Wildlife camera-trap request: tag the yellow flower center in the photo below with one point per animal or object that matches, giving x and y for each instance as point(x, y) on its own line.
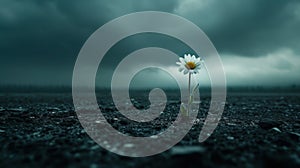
point(190, 65)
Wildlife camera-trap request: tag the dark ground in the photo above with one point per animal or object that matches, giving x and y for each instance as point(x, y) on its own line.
point(258, 130)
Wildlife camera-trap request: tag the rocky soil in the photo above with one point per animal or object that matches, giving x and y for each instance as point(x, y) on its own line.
point(42, 130)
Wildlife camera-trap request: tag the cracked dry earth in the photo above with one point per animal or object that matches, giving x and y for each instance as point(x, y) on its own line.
point(258, 130)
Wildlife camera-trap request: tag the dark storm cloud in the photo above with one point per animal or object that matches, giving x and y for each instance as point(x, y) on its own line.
point(40, 35)
point(40, 40)
point(248, 28)
point(58, 28)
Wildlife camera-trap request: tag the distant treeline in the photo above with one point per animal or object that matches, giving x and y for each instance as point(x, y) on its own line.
point(68, 89)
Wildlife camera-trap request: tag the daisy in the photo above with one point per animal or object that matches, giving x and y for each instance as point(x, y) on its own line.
point(189, 64)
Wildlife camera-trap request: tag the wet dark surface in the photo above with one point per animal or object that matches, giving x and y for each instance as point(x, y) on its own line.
point(42, 130)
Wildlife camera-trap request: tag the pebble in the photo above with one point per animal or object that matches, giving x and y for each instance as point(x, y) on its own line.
point(197, 121)
point(184, 150)
point(98, 122)
point(231, 124)
point(154, 136)
point(276, 129)
point(52, 108)
point(95, 147)
point(36, 133)
point(230, 138)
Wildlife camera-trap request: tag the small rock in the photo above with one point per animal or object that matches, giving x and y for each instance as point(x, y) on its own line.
point(95, 147)
point(52, 109)
point(1, 131)
point(230, 138)
point(184, 150)
point(231, 124)
point(36, 134)
point(276, 129)
point(98, 122)
point(154, 136)
point(197, 121)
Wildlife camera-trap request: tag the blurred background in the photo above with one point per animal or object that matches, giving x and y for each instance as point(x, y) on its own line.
point(258, 41)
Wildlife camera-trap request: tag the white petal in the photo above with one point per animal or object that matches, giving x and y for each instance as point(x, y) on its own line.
point(181, 59)
point(185, 71)
point(181, 69)
point(188, 58)
point(178, 63)
point(192, 59)
point(193, 56)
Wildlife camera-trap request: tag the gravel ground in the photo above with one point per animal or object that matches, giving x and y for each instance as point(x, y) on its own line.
point(42, 130)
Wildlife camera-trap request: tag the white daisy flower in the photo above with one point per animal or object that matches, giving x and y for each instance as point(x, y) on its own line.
point(189, 64)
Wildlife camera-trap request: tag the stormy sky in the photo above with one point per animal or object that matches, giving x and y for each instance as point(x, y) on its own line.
point(258, 40)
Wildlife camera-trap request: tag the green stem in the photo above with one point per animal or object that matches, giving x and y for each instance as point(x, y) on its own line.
point(189, 101)
point(190, 84)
